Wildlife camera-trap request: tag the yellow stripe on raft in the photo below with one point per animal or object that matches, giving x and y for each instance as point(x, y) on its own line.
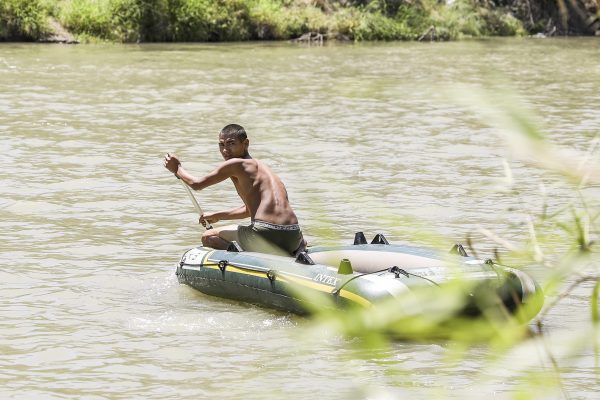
point(356, 298)
point(205, 258)
point(232, 268)
point(328, 289)
point(306, 282)
point(301, 281)
point(238, 270)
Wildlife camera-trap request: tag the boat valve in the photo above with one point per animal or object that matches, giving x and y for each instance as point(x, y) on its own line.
point(222, 265)
point(345, 267)
point(272, 275)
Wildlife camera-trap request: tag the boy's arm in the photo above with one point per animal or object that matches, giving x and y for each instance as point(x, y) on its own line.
point(235, 213)
point(223, 171)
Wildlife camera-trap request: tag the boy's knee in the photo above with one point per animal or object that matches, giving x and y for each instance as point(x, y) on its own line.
point(207, 238)
point(212, 239)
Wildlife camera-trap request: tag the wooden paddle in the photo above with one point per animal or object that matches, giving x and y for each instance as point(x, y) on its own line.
point(195, 202)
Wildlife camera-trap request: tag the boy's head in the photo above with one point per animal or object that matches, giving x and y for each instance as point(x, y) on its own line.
point(233, 142)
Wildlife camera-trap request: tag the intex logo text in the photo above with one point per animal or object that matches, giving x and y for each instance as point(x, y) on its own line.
point(326, 279)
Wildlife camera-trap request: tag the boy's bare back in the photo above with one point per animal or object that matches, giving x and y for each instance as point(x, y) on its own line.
point(263, 192)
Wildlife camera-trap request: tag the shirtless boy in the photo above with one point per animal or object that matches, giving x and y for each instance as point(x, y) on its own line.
point(274, 227)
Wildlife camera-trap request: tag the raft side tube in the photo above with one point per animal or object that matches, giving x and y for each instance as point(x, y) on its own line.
point(368, 260)
point(519, 291)
point(279, 282)
point(283, 283)
point(371, 258)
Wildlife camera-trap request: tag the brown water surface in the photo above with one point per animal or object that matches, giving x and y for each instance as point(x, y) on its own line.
point(364, 136)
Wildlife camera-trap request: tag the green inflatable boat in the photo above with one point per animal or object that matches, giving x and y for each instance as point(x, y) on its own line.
point(362, 274)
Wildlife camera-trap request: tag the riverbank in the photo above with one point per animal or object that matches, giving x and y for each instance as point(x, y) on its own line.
point(238, 20)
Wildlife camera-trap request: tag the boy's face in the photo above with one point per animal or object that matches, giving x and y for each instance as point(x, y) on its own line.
point(230, 147)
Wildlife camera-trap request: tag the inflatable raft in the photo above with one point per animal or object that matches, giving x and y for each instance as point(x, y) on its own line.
point(362, 274)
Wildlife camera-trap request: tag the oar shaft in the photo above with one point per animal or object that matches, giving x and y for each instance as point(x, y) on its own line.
point(194, 202)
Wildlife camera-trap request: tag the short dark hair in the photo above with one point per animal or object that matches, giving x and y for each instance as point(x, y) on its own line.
point(235, 130)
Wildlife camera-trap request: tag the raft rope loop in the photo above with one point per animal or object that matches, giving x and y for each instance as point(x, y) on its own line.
point(422, 277)
point(393, 270)
point(223, 264)
point(181, 263)
point(494, 266)
point(179, 270)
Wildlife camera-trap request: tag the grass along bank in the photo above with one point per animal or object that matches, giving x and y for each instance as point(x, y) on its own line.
point(238, 20)
point(23, 20)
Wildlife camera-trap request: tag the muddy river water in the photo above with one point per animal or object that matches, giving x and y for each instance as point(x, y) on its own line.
point(366, 137)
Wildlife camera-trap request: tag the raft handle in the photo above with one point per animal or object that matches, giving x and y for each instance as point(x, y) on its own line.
point(222, 265)
point(379, 239)
point(397, 271)
point(272, 275)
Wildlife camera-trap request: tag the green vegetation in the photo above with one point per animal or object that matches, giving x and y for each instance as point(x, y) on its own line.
point(560, 246)
point(23, 19)
point(235, 20)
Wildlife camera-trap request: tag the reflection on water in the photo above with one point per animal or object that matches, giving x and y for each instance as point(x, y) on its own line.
point(364, 138)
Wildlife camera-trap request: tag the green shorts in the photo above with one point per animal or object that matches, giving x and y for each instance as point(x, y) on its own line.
point(265, 237)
